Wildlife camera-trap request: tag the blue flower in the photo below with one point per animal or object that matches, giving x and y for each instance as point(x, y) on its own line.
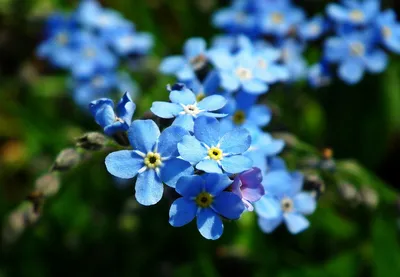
point(284, 201)
point(354, 12)
point(292, 58)
point(184, 67)
point(389, 30)
point(58, 48)
point(91, 54)
point(313, 29)
point(279, 18)
point(355, 53)
point(103, 112)
point(239, 71)
point(184, 107)
point(154, 160)
point(204, 197)
point(214, 151)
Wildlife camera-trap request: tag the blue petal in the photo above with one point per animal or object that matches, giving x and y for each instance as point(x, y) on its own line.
point(216, 183)
point(168, 141)
point(194, 47)
point(268, 207)
point(278, 182)
point(209, 224)
point(149, 188)
point(191, 149)
point(172, 64)
point(236, 164)
point(351, 72)
point(186, 73)
point(212, 103)
point(126, 108)
point(336, 12)
point(184, 96)
point(377, 61)
point(207, 130)
point(105, 116)
point(221, 59)
point(211, 83)
point(228, 205)
point(173, 169)
point(184, 121)
point(143, 135)
point(269, 225)
point(116, 127)
point(165, 109)
point(182, 211)
point(304, 203)
point(236, 141)
point(190, 186)
point(260, 115)
point(124, 164)
point(255, 86)
point(229, 82)
point(209, 166)
point(295, 222)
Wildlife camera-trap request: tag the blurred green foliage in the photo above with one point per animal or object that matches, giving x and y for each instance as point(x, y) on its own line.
point(93, 226)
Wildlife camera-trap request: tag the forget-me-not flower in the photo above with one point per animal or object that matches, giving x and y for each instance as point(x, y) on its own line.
point(354, 12)
point(205, 197)
point(113, 122)
point(154, 159)
point(214, 151)
point(284, 202)
point(389, 30)
point(185, 108)
point(247, 185)
point(184, 67)
point(313, 28)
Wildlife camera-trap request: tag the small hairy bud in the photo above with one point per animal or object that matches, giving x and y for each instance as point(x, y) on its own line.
point(48, 184)
point(67, 159)
point(91, 141)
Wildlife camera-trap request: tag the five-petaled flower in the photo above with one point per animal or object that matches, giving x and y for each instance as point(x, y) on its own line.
point(185, 108)
point(154, 159)
point(204, 196)
point(213, 151)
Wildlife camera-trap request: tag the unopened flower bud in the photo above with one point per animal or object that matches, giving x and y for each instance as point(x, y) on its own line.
point(369, 197)
point(66, 159)
point(91, 141)
point(48, 184)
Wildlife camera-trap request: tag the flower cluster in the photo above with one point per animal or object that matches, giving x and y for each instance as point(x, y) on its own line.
point(357, 33)
point(89, 43)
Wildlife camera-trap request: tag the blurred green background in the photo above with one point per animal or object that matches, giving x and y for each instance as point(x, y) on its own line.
point(92, 225)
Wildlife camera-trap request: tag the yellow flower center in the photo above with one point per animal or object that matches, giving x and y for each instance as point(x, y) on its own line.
point(356, 15)
point(204, 199)
point(386, 31)
point(287, 205)
point(357, 49)
point(277, 18)
point(244, 73)
point(215, 153)
point(152, 160)
point(200, 96)
point(62, 38)
point(239, 117)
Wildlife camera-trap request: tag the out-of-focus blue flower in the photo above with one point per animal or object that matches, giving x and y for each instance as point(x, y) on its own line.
point(355, 53)
point(204, 197)
point(279, 19)
point(91, 54)
point(236, 19)
point(354, 12)
point(240, 71)
point(113, 122)
point(319, 75)
point(185, 108)
point(247, 185)
point(389, 30)
point(60, 41)
point(195, 57)
point(154, 160)
point(284, 201)
point(313, 28)
point(292, 58)
point(214, 151)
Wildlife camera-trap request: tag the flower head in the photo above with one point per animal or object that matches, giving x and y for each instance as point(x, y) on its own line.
point(113, 122)
point(354, 12)
point(185, 107)
point(204, 197)
point(214, 151)
point(154, 159)
point(389, 30)
point(284, 202)
point(247, 185)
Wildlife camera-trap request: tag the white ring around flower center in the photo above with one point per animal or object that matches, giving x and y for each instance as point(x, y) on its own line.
point(191, 109)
